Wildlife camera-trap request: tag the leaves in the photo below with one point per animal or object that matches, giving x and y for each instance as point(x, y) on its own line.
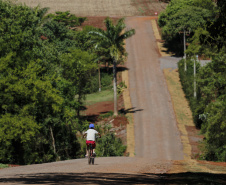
point(180, 16)
point(209, 107)
point(37, 88)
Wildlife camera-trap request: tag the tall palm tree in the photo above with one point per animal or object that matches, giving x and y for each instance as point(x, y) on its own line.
point(113, 39)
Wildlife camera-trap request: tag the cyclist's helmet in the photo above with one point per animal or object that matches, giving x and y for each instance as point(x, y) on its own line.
point(91, 125)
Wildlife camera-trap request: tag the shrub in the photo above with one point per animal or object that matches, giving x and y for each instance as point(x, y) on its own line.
point(187, 81)
point(109, 145)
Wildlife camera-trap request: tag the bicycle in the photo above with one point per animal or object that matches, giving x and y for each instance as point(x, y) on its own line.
point(91, 156)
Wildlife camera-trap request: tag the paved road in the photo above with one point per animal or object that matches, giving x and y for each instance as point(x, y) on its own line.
point(156, 132)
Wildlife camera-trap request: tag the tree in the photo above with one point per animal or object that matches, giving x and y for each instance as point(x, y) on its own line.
point(77, 68)
point(113, 39)
point(37, 95)
point(216, 34)
point(66, 18)
point(184, 17)
point(210, 39)
point(211, 107)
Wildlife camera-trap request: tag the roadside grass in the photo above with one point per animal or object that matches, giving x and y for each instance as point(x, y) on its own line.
point(104, 95)
point(214, 167)
point(106, 115)
point(184, 118)
point(180, 103)
point(3, 165)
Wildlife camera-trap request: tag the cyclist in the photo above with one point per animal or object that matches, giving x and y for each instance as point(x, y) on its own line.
point(90, 137)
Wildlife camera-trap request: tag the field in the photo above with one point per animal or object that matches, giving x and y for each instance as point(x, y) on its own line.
point(111, 8)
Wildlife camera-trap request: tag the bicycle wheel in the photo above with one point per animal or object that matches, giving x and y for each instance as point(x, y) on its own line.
point(89, 156)
point(92, 161)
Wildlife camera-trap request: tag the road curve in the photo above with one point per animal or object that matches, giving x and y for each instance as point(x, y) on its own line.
point(156, 132)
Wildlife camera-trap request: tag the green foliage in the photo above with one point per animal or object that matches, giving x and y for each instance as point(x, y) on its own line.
point(3, 165)
point(179, 11)
point(209, 107)
point(41, 74)
point(18, 27)
point(106, 81)
point(215, 39)
point(121, 87)
point(215, 129)
point(113, 39)
point(66, 18)
point(187, 81)
point(84, 40)
point(78, 66)
point(183, 15)
point(106, 115)
point(109, 145)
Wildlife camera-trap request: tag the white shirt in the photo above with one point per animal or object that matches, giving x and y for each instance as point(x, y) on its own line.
point(91, 133)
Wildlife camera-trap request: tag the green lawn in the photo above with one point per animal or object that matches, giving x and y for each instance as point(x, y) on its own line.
point(106, 95)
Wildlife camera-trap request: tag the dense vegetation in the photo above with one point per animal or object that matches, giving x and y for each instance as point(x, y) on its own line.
point(208, 40)
point(46, 69)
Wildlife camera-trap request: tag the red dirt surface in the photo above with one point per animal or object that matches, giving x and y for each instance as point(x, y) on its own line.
point(98, 22)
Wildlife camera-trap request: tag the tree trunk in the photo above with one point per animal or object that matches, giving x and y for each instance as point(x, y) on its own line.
point(79, 102)
point(99, 76)
point(53, 140)
point(115, 87)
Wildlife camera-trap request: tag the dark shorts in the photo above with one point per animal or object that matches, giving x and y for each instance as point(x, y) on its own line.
point(91, 142)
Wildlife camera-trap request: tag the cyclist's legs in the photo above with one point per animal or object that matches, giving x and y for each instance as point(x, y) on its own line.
point(93, 146)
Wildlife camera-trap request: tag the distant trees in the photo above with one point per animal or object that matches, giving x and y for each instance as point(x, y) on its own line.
point(180, 16)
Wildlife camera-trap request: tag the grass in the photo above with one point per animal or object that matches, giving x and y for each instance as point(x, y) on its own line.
point(106, 115)
point(141, 10)
point(3, 165)
point(105, 95)
point(181, 106)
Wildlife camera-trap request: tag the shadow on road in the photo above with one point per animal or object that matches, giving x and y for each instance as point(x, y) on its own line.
point(130, 110)
point(116, 178)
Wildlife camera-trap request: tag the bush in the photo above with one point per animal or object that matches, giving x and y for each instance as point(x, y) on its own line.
point(187, 81)
point(109, 145)
point(3, 165)
point(210, 106)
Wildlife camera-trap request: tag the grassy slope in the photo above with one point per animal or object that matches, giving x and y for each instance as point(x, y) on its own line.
point(106, 95)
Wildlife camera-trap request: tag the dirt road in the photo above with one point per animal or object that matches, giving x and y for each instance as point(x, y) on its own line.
point(156, 132)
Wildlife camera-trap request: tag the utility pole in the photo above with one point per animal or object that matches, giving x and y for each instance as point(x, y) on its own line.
point(195, 76)
point(185, 64)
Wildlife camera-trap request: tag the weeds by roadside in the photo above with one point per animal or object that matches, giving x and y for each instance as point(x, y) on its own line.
point(3, 165)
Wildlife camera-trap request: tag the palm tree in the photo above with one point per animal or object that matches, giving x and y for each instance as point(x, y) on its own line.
point(113, 40)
